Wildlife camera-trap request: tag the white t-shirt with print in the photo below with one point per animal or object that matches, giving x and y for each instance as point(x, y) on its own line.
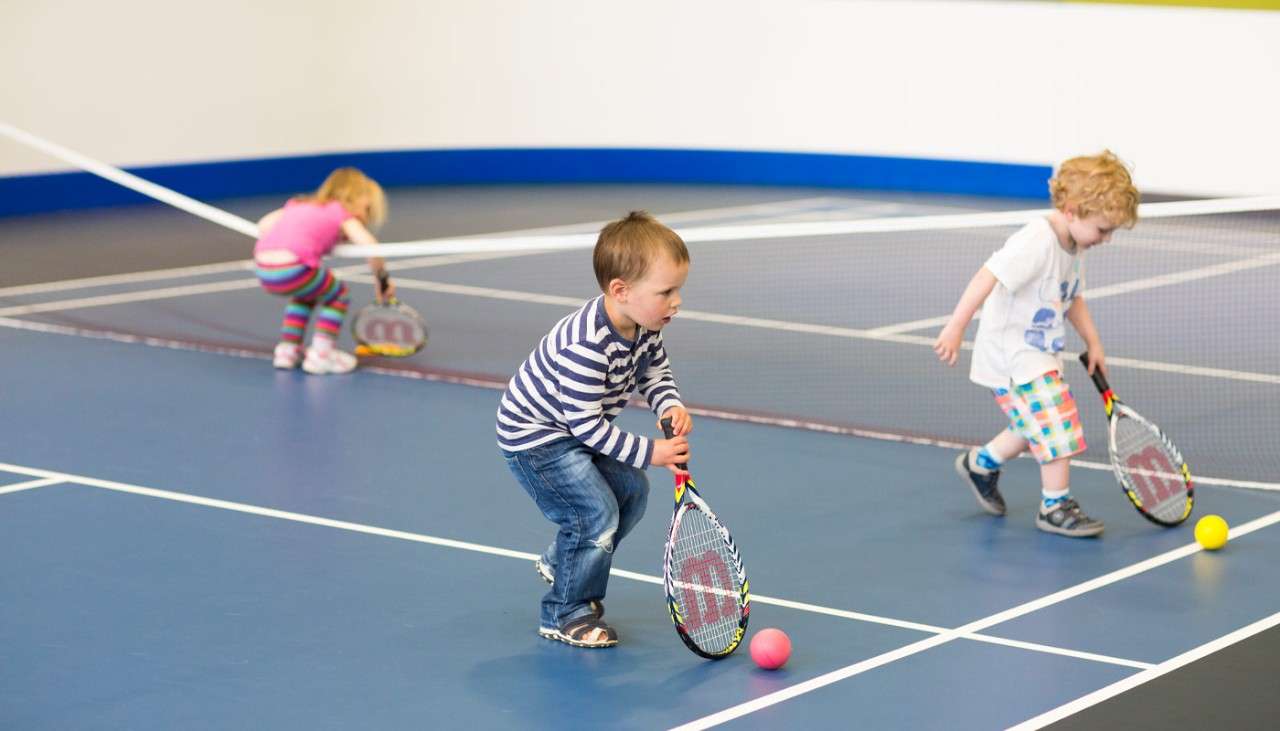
point(1022, 329)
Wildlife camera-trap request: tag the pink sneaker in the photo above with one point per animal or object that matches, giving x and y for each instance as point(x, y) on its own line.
point(329, 362)
point(287, 356)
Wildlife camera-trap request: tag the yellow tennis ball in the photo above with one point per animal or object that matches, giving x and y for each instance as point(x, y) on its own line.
point(1211, 532)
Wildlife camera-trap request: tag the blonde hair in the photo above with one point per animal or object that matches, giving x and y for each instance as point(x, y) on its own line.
point(627, 247)
point(347, 186)
point(1096, 184)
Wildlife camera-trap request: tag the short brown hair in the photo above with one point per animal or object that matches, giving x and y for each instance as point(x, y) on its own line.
point(1096, 184)
point(627, 247)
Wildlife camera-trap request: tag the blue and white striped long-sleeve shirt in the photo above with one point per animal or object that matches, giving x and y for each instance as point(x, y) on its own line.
point(577, 381)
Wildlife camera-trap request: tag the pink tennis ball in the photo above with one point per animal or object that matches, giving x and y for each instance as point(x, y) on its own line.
point(770, 648)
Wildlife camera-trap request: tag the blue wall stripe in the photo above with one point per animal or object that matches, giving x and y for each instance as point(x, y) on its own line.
point(283, 175)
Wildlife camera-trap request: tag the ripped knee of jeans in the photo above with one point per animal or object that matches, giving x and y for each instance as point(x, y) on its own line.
point(605, 541)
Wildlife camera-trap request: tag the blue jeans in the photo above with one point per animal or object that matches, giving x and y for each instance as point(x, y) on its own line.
point(596, 501)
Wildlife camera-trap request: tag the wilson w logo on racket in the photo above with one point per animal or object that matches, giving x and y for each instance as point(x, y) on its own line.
point(388, 328)
point(380, 327)
point(1148, 467)
point(708, 597)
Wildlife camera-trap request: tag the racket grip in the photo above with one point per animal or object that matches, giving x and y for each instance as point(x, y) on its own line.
point(383, 280)
point(670, 432)
point(1099, 380)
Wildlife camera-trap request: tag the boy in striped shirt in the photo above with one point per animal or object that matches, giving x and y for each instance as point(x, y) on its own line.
point(555, 421)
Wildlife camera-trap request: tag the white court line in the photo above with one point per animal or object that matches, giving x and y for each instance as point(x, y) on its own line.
point(1137, 285)
point(129, 278)
point(806, 328)
point(806, 229)
point(697, 315)
point(51, 477)
point(883, 436)
point(717, 233)
point(907, 625)
point(248, 228)
point(539, 243)
point(849, 671)
point(225, 286)
point(921, 324)
point(790, 205)
point(500, 384)
point(30, 485)
point(394, 265)
point(1146, 676)
point(125, 297)
point(1196, 480)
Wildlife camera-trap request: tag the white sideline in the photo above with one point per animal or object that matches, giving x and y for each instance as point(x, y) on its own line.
point(30, 485)
point(355, 273)
point(807, 328)
point(50, 477)
point(807, 229)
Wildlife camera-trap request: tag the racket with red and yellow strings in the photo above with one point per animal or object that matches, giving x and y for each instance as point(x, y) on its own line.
point(1148, 467)
point(706, 584)
point(388, 327)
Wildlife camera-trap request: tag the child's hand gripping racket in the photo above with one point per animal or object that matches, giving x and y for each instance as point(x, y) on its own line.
point(388, 327)
point(1149, 468)
point(707, 591)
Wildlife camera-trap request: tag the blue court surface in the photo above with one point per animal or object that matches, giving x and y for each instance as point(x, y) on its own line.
point(192, 539)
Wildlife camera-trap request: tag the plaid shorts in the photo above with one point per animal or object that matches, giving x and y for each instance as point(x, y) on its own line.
point(1044, 413)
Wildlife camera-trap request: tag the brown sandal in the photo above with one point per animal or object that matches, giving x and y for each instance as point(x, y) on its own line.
point(585, 631)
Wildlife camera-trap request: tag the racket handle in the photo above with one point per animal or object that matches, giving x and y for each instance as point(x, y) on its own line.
point(670, 432)
point(383, 280)
point(1099, 380)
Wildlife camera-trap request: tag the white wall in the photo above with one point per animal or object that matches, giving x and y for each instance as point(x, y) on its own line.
point(146, 81)
point(1187, 95)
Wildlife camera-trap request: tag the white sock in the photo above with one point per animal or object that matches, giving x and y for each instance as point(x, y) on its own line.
point(1049, 499)
point(321, 344)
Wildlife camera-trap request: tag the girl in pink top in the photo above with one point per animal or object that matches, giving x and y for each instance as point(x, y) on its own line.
point(293, 240)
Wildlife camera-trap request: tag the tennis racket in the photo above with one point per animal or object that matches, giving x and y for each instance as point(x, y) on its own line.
point(388, 327)
point(707, 592)
point(1148, 467)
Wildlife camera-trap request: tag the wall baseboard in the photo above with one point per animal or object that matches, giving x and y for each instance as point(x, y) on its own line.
point(222, 179)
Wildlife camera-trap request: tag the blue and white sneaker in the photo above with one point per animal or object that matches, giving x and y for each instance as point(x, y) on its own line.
point(983, 486)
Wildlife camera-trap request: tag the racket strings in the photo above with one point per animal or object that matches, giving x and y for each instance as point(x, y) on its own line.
point(705, 581)
point(389, 329)
point(1152, 467)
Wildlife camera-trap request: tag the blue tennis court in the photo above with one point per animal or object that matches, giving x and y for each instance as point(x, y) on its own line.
point(193, 539)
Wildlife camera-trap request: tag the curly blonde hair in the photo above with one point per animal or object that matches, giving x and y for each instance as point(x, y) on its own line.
point(1096, 184)
point(348, 186)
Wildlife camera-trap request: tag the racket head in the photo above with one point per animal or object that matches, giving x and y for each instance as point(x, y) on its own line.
point(391, 329)
point(1149, 468)
point(708, 596)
